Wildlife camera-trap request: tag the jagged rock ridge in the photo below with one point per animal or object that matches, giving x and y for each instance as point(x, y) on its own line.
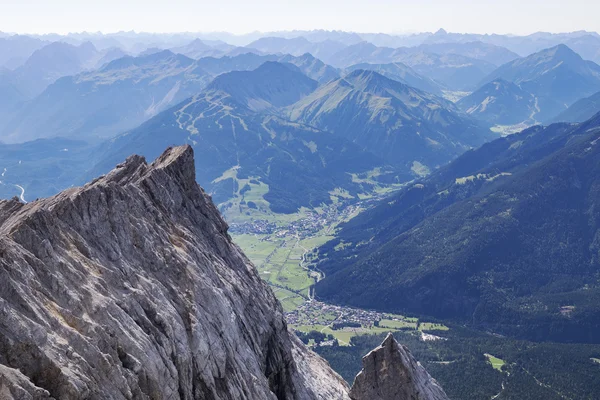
point(131, 288)
point(391, 372)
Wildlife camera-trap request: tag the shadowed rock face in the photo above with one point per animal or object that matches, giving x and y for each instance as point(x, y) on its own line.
point(391, 372)
point(131, 288)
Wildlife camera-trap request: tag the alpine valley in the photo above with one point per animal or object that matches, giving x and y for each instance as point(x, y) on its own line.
point(300, 215)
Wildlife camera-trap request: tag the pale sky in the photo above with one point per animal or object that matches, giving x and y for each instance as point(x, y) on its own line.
point(243, 16)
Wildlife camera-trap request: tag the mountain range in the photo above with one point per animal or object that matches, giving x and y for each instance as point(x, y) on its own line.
point(103, 103)
point(405, 126)
point(283, 123)
point(124, 93)
point(241, 141)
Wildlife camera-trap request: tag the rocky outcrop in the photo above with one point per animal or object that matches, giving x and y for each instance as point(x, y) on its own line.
point(391, 372)
point(131, 288)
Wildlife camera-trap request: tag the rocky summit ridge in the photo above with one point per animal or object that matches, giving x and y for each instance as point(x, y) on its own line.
point(130, 288)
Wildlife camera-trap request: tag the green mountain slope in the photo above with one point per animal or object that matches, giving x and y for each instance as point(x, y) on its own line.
point(407, 127)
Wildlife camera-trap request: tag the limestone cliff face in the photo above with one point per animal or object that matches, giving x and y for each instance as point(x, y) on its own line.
point(391, 372)
point(131, 288)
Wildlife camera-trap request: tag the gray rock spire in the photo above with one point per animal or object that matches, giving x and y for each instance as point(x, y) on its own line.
point(391, 372)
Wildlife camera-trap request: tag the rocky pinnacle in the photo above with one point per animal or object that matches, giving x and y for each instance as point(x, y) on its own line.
point(391, 372)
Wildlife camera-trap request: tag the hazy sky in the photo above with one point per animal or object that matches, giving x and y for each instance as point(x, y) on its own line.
point(242, 16)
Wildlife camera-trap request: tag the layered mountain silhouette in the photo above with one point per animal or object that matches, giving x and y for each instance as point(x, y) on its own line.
point(477, 50)
point(51, 62)
point(504, 238)
point(124, 93)
point(296, 46)
point(16, 49)
point(272, 85)
point(119, 96)
point(454, 71)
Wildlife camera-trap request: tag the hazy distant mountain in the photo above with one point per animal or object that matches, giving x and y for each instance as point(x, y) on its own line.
point(476, 50)
point(42, 68)
point(395, 41)
point(272, 85)
point(312, 67)
point(10, 95)
point(320, 35)
point(294, 164)
point(198, 49)
point(101, 103)
point(521, 45)
point(309, 65)
point(557, 77)
point(501, 102)
point(504, 238)
point(110, 55)
point(364, 52)
point(401, 73)
point(454, 71)
point(51, 62)
point(581, 110)
point(15, 50)
point(296, 46)
point(587, 46)
point(409, 128)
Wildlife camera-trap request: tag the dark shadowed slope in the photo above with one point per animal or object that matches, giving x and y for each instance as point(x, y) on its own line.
point(581, 110)
point(505, 237)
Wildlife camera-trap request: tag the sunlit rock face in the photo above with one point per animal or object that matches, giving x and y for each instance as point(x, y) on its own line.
point(131, 288)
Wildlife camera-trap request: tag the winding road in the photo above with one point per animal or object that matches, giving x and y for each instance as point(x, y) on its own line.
point(22, 196)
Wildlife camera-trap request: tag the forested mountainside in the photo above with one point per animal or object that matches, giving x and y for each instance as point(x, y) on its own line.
point(503, 238)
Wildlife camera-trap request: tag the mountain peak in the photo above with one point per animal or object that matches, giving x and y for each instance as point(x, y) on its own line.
point(391, 372)
point(441, 32)
point(562, 51)
point(175, 164)
point(271, 84)
point(177, 298)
